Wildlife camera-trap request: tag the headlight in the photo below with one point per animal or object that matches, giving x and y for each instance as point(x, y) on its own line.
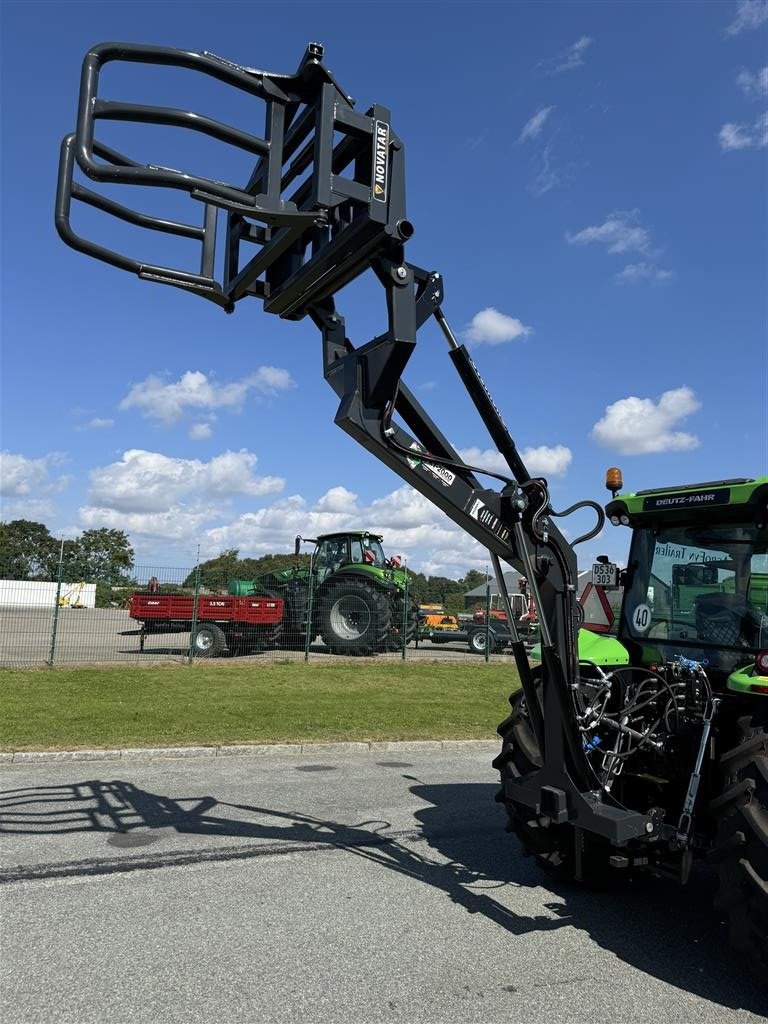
point(615, 521)
point(624, 520)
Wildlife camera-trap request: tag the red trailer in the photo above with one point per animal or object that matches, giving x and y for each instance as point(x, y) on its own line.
point(241, 625)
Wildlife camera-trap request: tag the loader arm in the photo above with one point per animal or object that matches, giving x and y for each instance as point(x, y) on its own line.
point(324, 204)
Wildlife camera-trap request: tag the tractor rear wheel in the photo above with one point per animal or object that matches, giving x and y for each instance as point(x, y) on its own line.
point(741, 848)
point(402, 615)
point(355, 618)
point(552, 846)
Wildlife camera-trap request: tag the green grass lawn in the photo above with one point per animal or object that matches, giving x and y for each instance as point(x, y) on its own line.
point(285, 702)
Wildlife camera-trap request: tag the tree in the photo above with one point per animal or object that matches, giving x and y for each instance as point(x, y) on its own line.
point(27, 551)
point(98, 556)
point(473, 579)
point(216, 572)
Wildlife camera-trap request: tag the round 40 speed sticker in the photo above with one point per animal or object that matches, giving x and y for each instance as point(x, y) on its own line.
point(641, 618)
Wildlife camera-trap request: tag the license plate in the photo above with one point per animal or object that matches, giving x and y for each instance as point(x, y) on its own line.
point(605, 574)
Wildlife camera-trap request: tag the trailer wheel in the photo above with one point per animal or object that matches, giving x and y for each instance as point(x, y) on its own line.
point(209, 641)
point(355, 618)
point(741, 848)
point(552, 846)
point(477, 638)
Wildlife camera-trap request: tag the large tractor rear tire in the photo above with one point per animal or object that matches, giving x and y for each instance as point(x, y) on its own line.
point(400, 614)
point(741, 849)
point(552, 846)
point(355, 618)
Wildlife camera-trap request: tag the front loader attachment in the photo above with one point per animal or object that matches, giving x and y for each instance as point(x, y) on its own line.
point(323, 203)
point(324, 196)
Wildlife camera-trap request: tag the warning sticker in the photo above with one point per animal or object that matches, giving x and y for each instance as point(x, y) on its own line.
point(485, 517)
point(416, 447)
point(443, 474)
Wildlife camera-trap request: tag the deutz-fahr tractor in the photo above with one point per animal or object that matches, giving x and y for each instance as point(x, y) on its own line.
point(355, 597)
point(622, 755)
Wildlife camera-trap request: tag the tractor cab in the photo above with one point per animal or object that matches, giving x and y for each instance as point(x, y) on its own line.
point(696, 583)
point(344, 551)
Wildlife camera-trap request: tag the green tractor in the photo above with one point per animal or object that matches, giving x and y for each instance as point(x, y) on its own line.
point(355, 597)
point(673, 710)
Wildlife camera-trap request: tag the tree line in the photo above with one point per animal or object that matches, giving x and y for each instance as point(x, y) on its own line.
point(105, 557)
point(215, 574)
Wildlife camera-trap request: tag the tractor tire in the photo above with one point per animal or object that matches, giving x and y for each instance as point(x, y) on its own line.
point(411, 615)
point(209, 641)
point(741, 847)
point(552, 846)
point(477, 639)
point(355, 618)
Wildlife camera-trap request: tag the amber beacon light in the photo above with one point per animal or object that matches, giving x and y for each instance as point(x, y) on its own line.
point(613, 480)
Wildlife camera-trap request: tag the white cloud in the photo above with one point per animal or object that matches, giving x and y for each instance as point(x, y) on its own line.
point(620, 232)
point(548, 177)
point(490, 327)
point(168, 402)
point(39, 510)
point(409, 523)
point(546, 461)
point(200, 431)
point(148, 482)
point(638, 426)
point(178, 524)
point(744, 136)
point(568, 59)
point(541, 461)
point(406, 519)
point(749, 14)
point(754, 86)
point(21, 477)
point(98, 423)
point(338, 499)
point(534, 127)
point(634, 272)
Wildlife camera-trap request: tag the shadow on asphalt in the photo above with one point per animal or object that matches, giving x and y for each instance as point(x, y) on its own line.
point(662, 929)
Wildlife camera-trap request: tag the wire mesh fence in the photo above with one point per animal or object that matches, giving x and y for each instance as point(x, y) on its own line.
point(310, 612)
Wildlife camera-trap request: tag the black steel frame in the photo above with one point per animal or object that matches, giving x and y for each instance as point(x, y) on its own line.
point(309, 244)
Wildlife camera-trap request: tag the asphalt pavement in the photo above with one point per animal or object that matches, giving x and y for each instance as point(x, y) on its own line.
point(84, 636)
point(359, 888)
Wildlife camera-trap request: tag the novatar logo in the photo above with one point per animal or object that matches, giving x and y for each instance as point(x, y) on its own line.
point(380, 158)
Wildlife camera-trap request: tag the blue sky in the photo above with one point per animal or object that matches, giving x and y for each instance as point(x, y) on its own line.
point(588, 178)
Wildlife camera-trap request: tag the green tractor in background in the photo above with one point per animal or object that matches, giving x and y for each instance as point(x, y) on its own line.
point(353, 596)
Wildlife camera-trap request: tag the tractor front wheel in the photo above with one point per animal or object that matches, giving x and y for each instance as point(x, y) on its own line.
point(741, 848)
point(553, 846)
point(355, 618)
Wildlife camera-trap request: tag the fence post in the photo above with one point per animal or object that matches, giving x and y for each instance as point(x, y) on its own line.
point(308, 638)
point(487, 616)
point(55, 622)
point(195, 603)
point(406, 610)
